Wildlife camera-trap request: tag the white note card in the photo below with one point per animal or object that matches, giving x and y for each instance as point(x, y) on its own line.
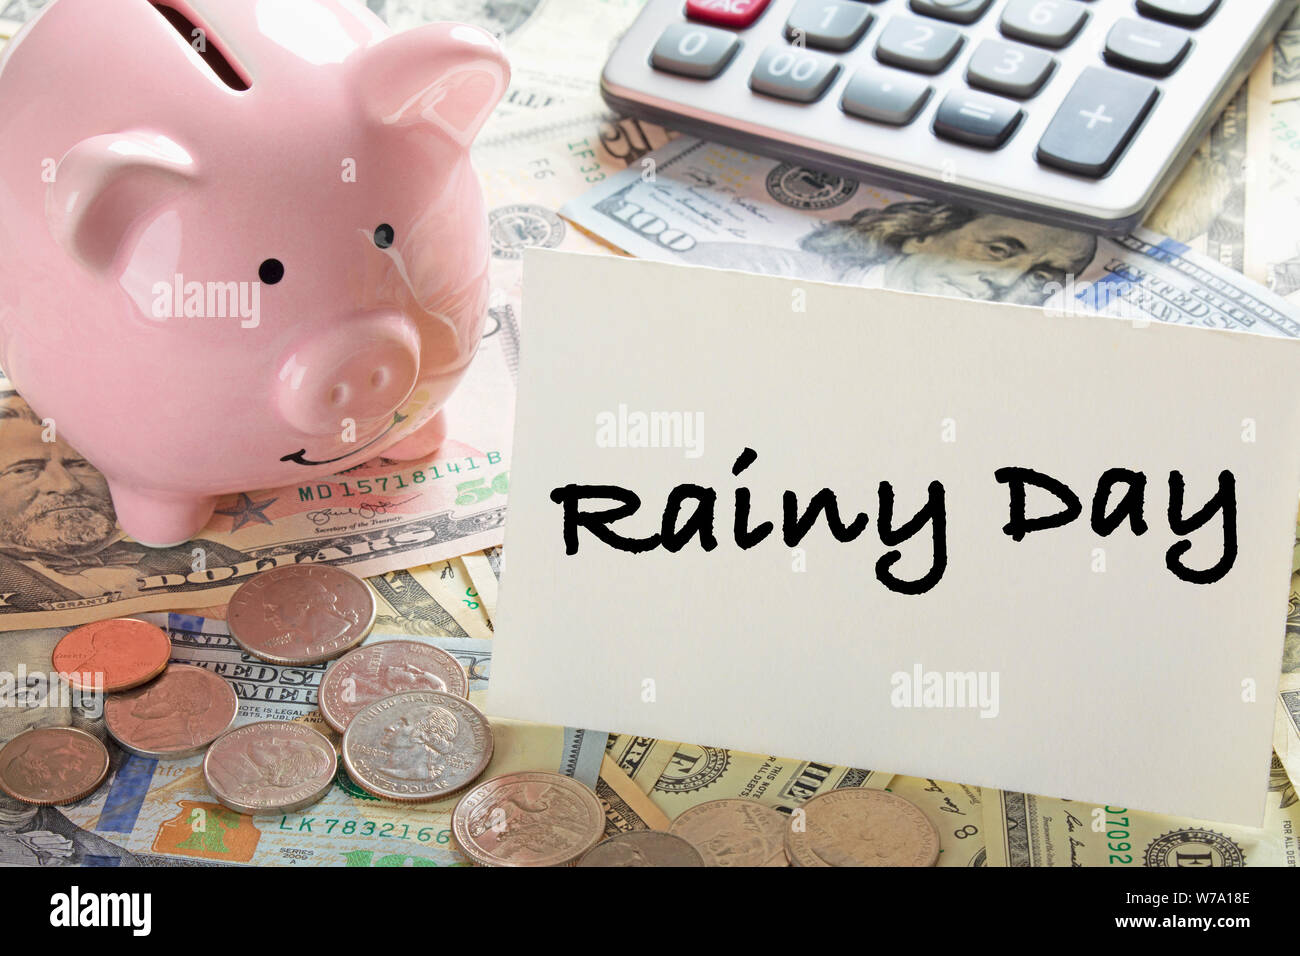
point(923, 535)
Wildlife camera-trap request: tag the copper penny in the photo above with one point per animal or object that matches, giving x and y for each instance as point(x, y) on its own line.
point(734, 832)
point(381, 670)
point(52, 765)
point(855, 827)
point(273, 766)
point(532, 818)
point(112, 656)
point(301, 614)
point(176, 715)
point(421, 745)
point(642, 848)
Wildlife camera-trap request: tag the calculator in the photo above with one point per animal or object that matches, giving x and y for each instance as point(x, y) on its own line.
point(1072, 112)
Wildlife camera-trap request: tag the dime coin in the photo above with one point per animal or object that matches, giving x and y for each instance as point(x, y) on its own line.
point(381, 670)
point(270, 767)
point(301, 614)
point(734, 832)
point(176, 715)
point(52, 765)
point(420, 745)
point(112, 656)
point(854, 827)
point(533, 818)
point(642, 848)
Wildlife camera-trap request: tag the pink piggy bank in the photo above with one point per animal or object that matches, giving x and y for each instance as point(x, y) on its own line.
point(241, 242)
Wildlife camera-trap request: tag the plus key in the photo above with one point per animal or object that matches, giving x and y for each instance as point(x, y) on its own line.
point(734, 14)
point(1099, 116)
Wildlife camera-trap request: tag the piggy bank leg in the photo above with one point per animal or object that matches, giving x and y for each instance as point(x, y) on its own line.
point(160, 521)
point(422, 442)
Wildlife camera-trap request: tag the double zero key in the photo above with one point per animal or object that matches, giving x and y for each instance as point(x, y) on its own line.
point(1099, 116)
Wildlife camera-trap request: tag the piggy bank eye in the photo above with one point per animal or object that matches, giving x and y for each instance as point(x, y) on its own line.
point(384, 235)
point(271, 271)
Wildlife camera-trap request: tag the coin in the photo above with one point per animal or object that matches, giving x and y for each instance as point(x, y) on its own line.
point(112, 656)
point(52, 765)
point(381, 670)
point(420, 745)
point(534, 818)
point(301, 614)
point(176, 715)
point(734, 832)
point(273, 766)
point(642, 848)
point(854, 827)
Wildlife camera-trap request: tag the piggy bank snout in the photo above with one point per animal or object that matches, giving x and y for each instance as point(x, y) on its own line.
point(359, 373)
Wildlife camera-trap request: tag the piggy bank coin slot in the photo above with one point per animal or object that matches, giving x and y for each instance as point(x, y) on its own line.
point(201, 41)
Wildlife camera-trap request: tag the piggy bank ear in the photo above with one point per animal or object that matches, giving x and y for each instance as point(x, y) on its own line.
point(450, 75)
point(106, 184)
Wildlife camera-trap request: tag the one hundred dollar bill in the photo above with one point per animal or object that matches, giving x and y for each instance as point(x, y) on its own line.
point(160, 813)
point(699, 203)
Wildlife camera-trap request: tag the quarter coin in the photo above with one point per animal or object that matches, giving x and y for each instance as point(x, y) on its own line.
point(734, 832)
point(52, 765)
point(855, 827)
point(301, 614)
point(177, 715)
point(642, 848)
point(113, 655)
point(532, 818)
point(381, 670)
point(273, 766)
point(421, 745)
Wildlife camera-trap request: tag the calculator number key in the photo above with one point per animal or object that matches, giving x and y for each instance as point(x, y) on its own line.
point(1146, 47)
point(733, 14)
point(958, 11)
point(793, 74)
point(1095, 122)
point(1052, 23)
point(1008, 69)
point(917, 45)
point(827, 24)
point(976, 120)
point(689, 49)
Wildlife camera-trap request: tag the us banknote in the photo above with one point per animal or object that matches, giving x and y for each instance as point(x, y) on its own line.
point(1223, 187)
point(626, 805)
point(14, 13)
point(1286, 59)
point(695, 774)
point(1027, 830)
point(484, 570)
point(956, 812)
point(1286, 724)
point(64, 560)
point(700, 203)
point(1279, 231)
point(159, 812)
